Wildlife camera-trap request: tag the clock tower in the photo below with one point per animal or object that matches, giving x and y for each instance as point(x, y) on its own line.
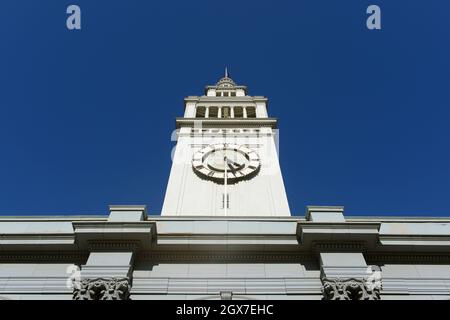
point(225, 162)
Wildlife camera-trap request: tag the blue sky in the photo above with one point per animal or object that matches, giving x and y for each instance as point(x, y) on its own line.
point(86, 116)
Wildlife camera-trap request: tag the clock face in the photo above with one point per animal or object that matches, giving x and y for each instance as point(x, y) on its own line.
point(219, 161)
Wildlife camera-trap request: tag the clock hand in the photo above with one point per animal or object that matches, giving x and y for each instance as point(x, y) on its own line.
point(232, 162)
point(232, 169)
point(237, 165)
point(228, 162)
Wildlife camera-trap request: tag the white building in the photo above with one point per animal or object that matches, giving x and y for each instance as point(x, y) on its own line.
point(225, 231)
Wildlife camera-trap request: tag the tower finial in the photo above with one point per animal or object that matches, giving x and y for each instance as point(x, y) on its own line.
point(226, 72)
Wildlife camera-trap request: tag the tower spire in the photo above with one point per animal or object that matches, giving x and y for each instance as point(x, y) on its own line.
point(226, 72)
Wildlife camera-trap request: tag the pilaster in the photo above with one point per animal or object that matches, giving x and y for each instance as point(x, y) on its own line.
point(107, 274)
point(345, 274)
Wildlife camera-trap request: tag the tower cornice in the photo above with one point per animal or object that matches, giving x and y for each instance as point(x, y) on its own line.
point(225, 99)
point(245, 122)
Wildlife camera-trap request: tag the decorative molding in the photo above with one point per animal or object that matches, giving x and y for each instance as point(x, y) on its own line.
point(226, 257)
point(398, 257)
point(416, 286)
point(349, 289)
point(72, 257)
point(105, 227)
point(113, 244)
point(102, 289)
point(231, 122)
point(37, 238)
point(415, 240)
point(58, 285)
point(309, 232)
point(205, 135)
point(338, 246)
point(113, 234)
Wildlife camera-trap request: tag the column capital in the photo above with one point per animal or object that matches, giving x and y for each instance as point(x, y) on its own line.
point(350, 289)
point(102, 289)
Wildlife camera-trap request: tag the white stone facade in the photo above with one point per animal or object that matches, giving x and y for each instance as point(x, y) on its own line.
point(156, 257)
point(198, 249)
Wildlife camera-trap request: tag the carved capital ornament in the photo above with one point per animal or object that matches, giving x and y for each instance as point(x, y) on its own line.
point(102, 289)
point(349, 289)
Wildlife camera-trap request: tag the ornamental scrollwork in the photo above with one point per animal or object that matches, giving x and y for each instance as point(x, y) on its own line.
point(349, 289)
point(102, 289)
